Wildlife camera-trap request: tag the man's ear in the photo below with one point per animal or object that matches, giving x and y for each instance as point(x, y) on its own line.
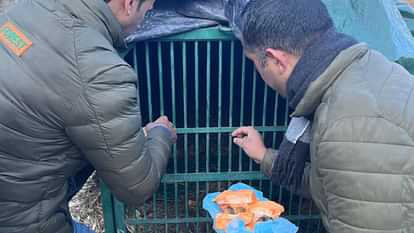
point(127, 6)
point(279, 58)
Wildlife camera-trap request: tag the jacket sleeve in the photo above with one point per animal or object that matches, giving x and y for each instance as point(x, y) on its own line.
point(266, 166)
point(107, 129)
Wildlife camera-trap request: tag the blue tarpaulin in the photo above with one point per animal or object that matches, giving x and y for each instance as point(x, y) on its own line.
point(377, 22)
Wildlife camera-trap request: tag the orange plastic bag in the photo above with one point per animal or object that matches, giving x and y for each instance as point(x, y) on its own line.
point(244, 204)
point(265, 210)
point(234, 202)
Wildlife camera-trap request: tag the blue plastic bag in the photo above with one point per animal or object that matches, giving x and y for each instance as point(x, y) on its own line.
point(81, 228)
point(280, 225)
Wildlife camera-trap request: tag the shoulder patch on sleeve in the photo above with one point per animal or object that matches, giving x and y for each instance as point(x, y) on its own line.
point(14, 39)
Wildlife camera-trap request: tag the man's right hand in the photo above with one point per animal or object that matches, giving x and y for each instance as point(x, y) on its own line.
point(163, 121)
point(251, 142)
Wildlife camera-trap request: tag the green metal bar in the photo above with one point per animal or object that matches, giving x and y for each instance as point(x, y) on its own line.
point(220, 105)
point(145, 217)
point(265, 104)
point(154, 205)
point(107, 206)
point(227, 129)
point(286, 123)
point(204, 34)
point(319, 226)
point(197, 155)
point(231, 102)
point(203, 177)
point(160, 77)
point(286, 119)
point(148, 68)
point(275, 117)
point(160, 74)
point(253, 109)
point(169, 221)
point(290, 203)
point(148, 74)
point(184, 44)
point(119, 216)
point(307, 228)
point(271, 190)
point(310, 213)
point(172, 58)
point(280, 194)
point(165, 207)
point(201, 219)
point(299, 208)
point(208, 77)
point(135, 62)
point(242, 107)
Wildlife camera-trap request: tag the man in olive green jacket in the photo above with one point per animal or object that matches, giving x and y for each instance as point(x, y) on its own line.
point(68, 105)
point(350, 145)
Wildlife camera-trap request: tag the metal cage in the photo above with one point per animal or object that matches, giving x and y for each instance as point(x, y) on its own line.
point(205, 84)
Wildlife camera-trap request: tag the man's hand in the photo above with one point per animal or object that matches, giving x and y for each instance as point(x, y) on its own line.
point(163, 121)
point(251, 142)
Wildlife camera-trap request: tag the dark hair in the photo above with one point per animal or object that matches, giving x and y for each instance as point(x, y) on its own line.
point(289, 25)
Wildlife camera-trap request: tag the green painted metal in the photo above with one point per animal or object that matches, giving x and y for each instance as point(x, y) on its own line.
point(184, 54)
point(149, 88)
point(209, 130)
point(220, 105)
point(231, 105)
point(160, 77)
point(253, 110)
point(201, 81)
point(205, 34)
point(203, 219)
point(197, 145)
point(172, 59)
point(242, 105)
point(108, 210)
point(223, 176)
point(208, 77)
point(119, 211)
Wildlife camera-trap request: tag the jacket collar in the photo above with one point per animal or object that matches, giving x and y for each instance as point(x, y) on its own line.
point(316, 90)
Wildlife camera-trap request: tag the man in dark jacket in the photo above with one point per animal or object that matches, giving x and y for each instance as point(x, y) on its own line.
point(350, 144)
point(68, 105)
